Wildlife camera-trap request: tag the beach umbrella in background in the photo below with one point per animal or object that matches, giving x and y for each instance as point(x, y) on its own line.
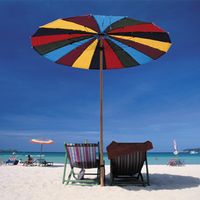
point(41, 142)
point(100, 43)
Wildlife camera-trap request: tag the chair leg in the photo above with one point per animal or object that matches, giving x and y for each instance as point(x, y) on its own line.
point(98, 175)
point(147, 172)
point(64, 173)
point(142, 179)
point(69, 177)
point(73, 173)
point(111, 178)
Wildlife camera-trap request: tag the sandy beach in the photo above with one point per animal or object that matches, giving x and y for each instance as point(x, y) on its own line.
point(20, 182)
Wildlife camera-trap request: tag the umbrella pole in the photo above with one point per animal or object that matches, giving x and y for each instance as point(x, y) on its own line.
point(41, 151)
point(102, 169)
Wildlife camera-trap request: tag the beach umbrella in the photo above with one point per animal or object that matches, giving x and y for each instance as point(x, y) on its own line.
point(41, 142)
point(100, 43)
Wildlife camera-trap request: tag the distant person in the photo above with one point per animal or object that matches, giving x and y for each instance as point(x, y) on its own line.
point(29, 161)
point(12, 160)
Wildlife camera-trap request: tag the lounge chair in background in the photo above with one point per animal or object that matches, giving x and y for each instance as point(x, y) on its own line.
point(43, 162)
point(126, 162)
point(82, 156)
point(12, 160)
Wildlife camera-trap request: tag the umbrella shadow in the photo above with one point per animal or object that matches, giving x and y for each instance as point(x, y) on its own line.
point(165, 182)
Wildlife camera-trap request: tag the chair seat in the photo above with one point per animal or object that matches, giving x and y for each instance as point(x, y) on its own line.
point(86, 165)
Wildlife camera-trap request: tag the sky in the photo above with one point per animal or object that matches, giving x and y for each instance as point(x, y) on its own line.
point(158, 101)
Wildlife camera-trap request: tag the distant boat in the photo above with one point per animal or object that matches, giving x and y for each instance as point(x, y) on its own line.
point(175, 161)
point(175, 148)
point(194, 152)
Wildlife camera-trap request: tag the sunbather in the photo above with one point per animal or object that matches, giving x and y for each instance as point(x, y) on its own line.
point(12, 160)
point(29, 161)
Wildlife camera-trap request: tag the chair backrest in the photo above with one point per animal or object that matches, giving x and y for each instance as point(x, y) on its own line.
point(82, 155)
point(128, 158)
point(129, 164)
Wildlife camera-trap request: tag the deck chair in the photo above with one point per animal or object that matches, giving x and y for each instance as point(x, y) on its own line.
point(126, 162)
point(30, 163)
point(43, 162)
point(84, 157)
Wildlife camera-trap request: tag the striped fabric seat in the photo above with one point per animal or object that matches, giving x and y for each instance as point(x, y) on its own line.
point(82, 155)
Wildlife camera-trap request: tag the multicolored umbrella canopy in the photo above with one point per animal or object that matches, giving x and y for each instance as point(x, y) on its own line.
point(75, 41)
point(100, 42)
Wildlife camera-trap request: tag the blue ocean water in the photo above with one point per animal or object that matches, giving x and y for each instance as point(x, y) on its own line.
point(154, 158)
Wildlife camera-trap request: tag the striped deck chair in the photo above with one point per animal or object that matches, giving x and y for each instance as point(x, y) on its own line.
point(126, 162)
point(82, 156)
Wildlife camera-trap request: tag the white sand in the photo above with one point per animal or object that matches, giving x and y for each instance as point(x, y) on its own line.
point(45, 183)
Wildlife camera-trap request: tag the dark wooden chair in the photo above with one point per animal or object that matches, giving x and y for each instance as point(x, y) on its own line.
point(83, 156)
point(126, 162)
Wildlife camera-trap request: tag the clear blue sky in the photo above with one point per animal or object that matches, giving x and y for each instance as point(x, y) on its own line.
point(158, 101)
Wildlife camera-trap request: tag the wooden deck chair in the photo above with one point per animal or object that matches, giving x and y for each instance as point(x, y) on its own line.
point(126, 162)
point(82, 156)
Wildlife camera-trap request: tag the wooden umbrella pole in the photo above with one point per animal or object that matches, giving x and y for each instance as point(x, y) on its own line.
point(41, 151)
point(102, 169)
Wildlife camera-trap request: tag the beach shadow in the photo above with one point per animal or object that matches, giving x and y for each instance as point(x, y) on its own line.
point(56, 166)
point(165, 182)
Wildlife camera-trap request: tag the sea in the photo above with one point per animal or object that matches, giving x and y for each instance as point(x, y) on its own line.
point(154, 158)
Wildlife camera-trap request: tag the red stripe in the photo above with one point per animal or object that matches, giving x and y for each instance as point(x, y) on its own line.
point(41, 40)
point(112, 61)
point(138, 28)
point(87, 21)
point(77, 153)
point(94, 155)
point(71, 57)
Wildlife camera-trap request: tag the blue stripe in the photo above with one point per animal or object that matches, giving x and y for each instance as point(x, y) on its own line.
point(105, 21)
point(59, 53)
point(137, 55)
point(82, 154)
